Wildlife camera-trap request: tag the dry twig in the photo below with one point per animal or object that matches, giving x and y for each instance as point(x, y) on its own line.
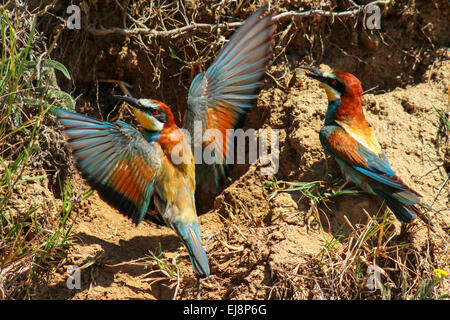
point(173, 33)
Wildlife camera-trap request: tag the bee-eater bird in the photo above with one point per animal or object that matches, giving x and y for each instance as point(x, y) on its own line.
point(131, 170)
point(347, 137)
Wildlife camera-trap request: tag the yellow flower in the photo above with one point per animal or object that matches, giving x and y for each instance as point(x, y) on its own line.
point(439, 274)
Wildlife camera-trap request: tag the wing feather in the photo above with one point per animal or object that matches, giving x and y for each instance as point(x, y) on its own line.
point(219, 98)
point(341, 144)
point(115, 160)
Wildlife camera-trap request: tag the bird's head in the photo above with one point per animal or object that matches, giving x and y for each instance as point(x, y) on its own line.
point(153, 115)
point(336, 84)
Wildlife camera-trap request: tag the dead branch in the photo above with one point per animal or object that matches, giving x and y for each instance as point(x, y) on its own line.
point(151, 33)
point(162, 34)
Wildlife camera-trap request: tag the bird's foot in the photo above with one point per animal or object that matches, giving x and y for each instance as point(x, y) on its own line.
point(338, 190)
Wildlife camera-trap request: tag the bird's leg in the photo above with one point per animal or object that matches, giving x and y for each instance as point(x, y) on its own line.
point(346, 177)
point(194, 286)
point(198, 289)
point(342, 186)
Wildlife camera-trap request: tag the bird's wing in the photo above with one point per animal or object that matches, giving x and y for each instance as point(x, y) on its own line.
point(219, 98)
point(364, 135)
point(115, 160)
point(361, 158)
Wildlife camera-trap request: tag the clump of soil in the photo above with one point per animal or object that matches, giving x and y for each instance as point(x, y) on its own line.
point(278, 248)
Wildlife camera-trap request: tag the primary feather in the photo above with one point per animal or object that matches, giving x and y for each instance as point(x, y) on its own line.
point(219, 98)
point(115, 159)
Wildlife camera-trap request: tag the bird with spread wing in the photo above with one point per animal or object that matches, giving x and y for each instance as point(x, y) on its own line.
point(132, 170)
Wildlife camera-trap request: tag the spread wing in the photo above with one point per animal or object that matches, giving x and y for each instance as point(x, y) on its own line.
point(115, 160)
point(219, 98)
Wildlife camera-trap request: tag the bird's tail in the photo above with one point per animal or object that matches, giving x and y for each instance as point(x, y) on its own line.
point(403, 205)
point(190, 233)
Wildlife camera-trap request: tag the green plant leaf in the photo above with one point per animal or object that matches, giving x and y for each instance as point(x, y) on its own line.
point(58, 66)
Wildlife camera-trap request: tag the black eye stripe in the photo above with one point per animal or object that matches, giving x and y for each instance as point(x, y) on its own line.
point(336, 85)
point(156, 113)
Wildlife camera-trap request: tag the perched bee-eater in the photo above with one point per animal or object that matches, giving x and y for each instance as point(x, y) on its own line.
point(347, 137)
point(130, 170)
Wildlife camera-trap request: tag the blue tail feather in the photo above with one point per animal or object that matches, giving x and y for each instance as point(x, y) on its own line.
point(400, 210)
point(190, 233)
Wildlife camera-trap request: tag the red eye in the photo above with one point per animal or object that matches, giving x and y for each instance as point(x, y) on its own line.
point(333, 81)
point(155, 111)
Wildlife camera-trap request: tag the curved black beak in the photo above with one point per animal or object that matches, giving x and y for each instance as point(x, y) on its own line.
point(314, 73)
point(130, 100)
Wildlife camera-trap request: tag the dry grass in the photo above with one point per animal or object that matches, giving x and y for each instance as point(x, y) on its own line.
point(373, 262)
point(34, 223)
